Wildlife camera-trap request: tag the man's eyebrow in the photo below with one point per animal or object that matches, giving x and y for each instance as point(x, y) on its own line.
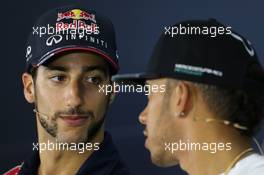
point(93, 68)
point(84, 69)
point(58, 68)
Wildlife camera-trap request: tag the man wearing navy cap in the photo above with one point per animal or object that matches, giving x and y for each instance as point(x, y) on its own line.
point(213, 102)
point(70, 52)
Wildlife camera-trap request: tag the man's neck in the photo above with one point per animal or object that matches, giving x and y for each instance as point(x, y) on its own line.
point(207, 163)
point(65, 162)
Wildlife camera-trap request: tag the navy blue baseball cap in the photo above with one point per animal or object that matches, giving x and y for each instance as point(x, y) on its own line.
point(225, 59)
point(71, 28)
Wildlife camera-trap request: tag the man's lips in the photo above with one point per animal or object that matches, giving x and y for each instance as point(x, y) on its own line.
point(74, 120)
point(145, 133)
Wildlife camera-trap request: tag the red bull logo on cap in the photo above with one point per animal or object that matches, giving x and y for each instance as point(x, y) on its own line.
point(76, 14)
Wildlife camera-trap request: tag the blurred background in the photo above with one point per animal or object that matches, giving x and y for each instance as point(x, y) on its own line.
point(138, 24)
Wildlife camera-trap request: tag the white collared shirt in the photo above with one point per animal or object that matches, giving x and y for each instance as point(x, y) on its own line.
point(250, 165)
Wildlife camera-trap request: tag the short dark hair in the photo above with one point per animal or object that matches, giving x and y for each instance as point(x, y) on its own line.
point(245, 107)
point(34, 72)
point(238, 106)
point(242, 106)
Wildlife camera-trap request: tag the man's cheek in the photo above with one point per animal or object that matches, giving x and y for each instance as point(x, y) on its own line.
point(98, 108)
point(49, 94)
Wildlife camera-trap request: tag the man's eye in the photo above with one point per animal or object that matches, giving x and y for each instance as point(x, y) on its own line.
point(94, 80)
point(58, 78)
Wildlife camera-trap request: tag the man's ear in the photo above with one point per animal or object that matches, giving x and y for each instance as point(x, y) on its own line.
point(179, 99)
point(28, 84)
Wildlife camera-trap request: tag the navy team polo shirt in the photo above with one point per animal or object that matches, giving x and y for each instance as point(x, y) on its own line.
point(105, 161)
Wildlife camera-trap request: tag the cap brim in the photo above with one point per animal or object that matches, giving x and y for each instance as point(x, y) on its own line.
point(79, 48)
point(134, 78)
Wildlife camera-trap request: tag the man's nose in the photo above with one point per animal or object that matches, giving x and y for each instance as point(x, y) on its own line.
point(143, 116)
point(74, 96)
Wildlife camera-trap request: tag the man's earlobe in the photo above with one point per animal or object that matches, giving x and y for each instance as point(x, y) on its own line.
point(28, 87)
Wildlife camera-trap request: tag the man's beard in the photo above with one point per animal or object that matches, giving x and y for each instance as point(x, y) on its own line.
point(51, 126)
